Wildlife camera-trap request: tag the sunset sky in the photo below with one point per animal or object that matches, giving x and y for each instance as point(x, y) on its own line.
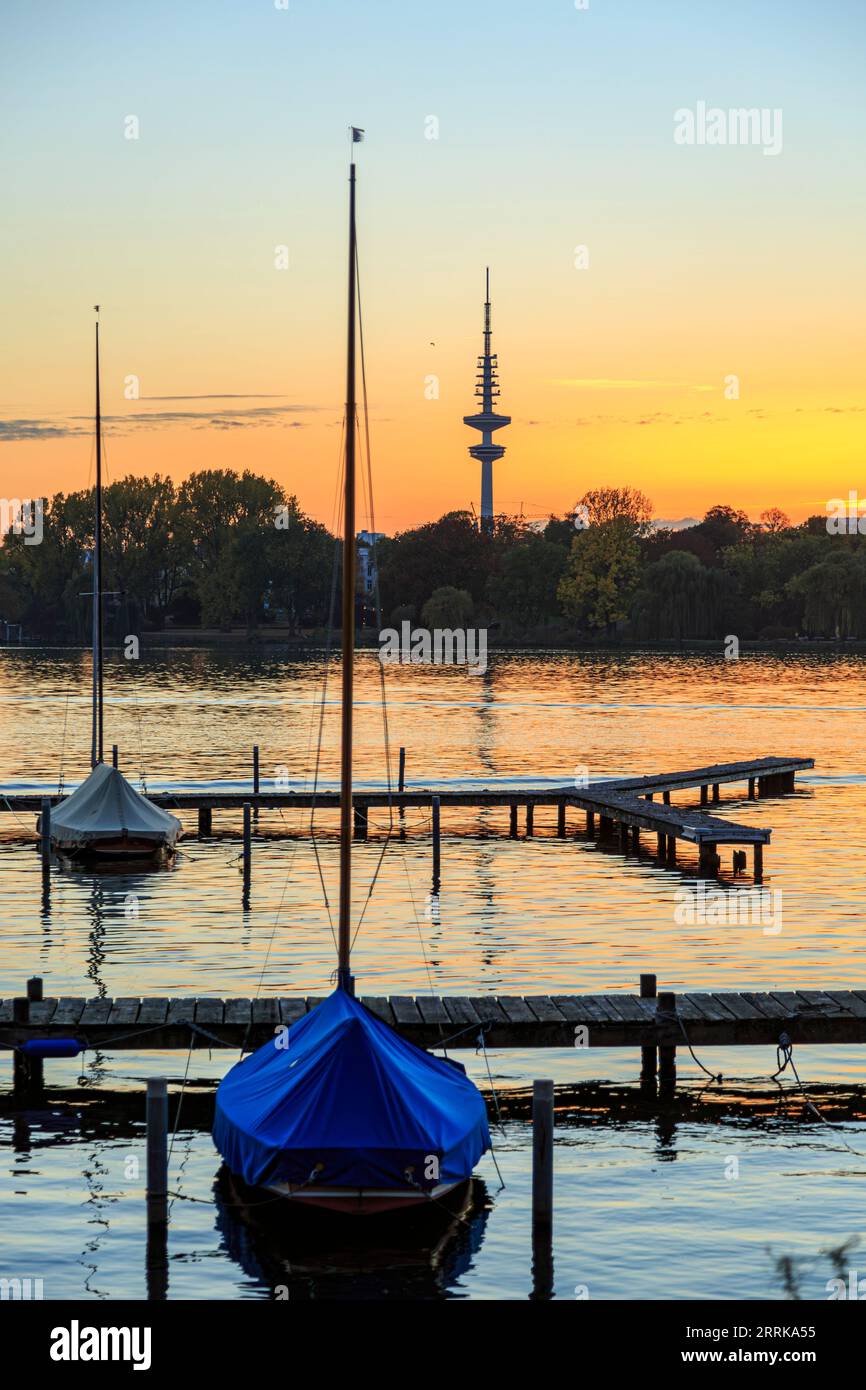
point(555, 130)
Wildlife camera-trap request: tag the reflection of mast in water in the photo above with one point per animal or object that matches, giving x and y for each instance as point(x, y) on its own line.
point(487, 720)
point(96, 937)
point(97, 1199)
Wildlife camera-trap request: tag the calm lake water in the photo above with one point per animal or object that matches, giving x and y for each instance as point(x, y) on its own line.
point(644, 1205)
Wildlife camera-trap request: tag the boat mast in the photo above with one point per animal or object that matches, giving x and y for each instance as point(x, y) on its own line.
point(344, 974)
point(96, 734)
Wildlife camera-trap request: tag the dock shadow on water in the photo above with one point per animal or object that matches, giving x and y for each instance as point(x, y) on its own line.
point(296, 1254)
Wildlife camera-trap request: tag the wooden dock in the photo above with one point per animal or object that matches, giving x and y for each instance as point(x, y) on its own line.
point(741, 1018)
point(617, 806)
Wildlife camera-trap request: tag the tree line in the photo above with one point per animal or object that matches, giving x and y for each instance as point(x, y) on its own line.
point(225, 548)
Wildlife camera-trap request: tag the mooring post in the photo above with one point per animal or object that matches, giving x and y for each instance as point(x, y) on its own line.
point(255, 769)
point(20, 1064)
point(648, 1055)
point(665, 1008)
point(623, 837)
point(660, 843)
point(708, 859)
point(715, 791)
point(666, 798)
point(114, 755)
point(704, 796)
point(751, 789)
point(530, 814)
point(590, 822)
point(248, 849)
point(205, 821)
point(401, 783)
point(157, 1187)
point(542, 1151)
point(542, 1189)
point(436, 844)
point(560, 819)
point(671, 850)
point(35, 1065)
point(45, 833)
point(635, 837)
point(758, 874)
point(512, 820)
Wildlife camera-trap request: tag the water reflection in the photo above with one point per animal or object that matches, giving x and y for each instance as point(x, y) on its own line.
point(295, 1254)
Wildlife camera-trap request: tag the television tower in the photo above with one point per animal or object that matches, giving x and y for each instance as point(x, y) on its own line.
point(486, 420)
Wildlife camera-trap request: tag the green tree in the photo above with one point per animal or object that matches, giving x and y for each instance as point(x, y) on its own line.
point(525, 592)
point(601, 575)
point(448, 607)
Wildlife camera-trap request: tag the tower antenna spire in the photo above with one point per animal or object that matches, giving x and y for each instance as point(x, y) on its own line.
point(486, 420)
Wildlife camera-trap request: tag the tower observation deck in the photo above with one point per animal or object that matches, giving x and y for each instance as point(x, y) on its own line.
point(486, 420)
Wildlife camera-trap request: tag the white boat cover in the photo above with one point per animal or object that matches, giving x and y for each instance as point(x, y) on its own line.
point(105, 807)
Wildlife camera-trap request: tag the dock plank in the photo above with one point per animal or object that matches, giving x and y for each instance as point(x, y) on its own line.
point(239, 1012)
point(180, 1011)
point(95, 1012)
point(67, 1014)
point(209, 1012)
point(379, 1006)
point(152, 1012)
point(405, 1009)
point(432, 1010)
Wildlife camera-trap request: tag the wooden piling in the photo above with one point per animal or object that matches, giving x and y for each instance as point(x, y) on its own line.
point(648, 1055)
point(623, 837)
point(666, 798)
point(114, 752)
point(205, 821)
point(667, 1005)
point(590, 822)
point(512, 820)
point(560, 819)
point(661, 844)
point(248, 849)
point(45, 833)
point(542, 1190)
point(530, 815)
point(542, 1153)
point(255, 769)
point(157, 1187)
point(35, 1065)
point(436, 844)
point(751, 789)
point(715, 791)
point(20, 1064)
point(704, 794)
point(708, 858)
point(401, 780)
point(635, 837)
point(758, 873)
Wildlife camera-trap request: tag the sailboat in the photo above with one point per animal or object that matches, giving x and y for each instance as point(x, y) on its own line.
point(339, 1112)
point(106, 817)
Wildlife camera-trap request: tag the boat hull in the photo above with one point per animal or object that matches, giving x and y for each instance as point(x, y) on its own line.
point(116, 848)
point(369, 1201)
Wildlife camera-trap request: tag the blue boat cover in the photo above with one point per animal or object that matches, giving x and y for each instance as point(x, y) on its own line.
point(343, 1090)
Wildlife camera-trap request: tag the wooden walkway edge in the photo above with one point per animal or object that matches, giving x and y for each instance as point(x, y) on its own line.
point(506, 1021)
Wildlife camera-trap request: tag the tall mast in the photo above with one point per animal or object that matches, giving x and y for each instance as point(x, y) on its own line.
point(344, 975)
point(96, 734)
